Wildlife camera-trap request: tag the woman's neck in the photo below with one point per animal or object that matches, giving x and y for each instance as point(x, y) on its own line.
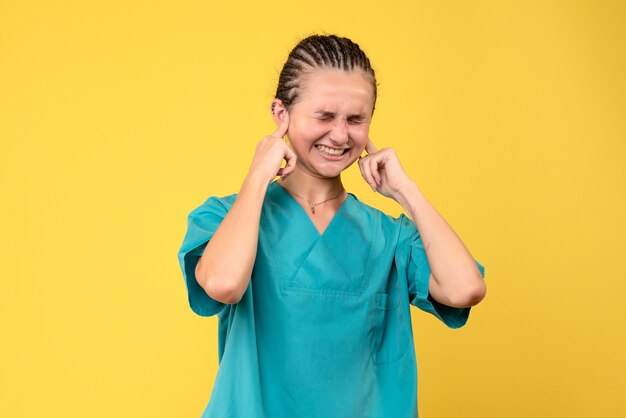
point(312, 188)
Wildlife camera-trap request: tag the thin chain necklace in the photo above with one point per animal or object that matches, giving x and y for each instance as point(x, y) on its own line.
point(313, 204)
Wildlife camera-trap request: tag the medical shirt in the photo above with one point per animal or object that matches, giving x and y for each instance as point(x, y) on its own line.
point(324, 327)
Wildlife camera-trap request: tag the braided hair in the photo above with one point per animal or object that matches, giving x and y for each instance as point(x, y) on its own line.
point(318, 52)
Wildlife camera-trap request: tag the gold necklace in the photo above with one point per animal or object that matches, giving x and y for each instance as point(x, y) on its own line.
point(313, 204)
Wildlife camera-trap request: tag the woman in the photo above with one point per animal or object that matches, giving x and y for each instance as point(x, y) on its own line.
point(312, 287)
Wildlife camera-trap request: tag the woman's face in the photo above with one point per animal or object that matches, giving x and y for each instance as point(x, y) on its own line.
point(329, 125)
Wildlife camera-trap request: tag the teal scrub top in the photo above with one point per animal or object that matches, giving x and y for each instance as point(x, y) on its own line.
point(324, 327)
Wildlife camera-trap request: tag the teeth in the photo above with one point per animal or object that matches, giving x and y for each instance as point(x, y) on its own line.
point(330, 151)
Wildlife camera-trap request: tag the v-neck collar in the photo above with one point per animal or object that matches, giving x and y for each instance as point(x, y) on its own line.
point(335, 261)
point(289, 198)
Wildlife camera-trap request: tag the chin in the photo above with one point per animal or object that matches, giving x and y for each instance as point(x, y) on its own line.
point(332, 172)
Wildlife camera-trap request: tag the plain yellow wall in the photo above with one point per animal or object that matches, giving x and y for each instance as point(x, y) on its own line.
point(117, 118)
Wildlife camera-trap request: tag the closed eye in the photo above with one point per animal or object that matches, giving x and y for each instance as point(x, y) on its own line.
point(325, 116)
point(329, 116)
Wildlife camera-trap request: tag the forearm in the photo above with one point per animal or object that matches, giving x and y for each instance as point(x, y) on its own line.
point(225, 267)
point(456, 280)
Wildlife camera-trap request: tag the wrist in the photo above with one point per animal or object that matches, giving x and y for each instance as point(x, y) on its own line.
point(405, 190)
point(254, 183)
point(408, 197)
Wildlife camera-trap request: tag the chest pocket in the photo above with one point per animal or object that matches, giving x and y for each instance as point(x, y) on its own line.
point(390, 328)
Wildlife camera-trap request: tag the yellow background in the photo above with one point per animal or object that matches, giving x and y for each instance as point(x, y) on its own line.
point(118, 118)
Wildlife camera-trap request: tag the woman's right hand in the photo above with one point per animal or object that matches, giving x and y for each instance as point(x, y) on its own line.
point(225, 267)
point(271, 152)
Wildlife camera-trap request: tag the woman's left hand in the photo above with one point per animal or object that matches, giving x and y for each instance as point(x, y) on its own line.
point(382, 170)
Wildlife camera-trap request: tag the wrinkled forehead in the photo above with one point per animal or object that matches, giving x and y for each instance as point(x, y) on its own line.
point(334, 87)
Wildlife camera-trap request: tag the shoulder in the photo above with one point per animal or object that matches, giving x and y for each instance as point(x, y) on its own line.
point(223, 201)
point(394, 233)
point(212, 207)
point(386, 221)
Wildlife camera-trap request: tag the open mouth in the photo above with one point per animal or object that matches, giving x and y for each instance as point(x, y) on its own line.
point(331, 152)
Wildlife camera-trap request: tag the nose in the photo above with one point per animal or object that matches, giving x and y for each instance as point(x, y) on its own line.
point(339, 133)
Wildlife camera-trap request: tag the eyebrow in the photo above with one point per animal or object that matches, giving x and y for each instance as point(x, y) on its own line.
point(328, 113)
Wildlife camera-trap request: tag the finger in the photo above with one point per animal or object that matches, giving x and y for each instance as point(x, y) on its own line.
point(373, 163)
point(290, 158)
point(282, 128)
point(366, 173)
point(370, 148)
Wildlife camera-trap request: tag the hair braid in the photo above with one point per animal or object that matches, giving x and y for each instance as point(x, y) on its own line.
point(318, 52)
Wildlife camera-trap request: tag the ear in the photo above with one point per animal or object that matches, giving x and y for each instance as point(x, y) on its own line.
point(278, 110)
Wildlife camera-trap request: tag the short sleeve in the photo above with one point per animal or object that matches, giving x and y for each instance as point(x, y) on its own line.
point(202, 223)
point(411, 259)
